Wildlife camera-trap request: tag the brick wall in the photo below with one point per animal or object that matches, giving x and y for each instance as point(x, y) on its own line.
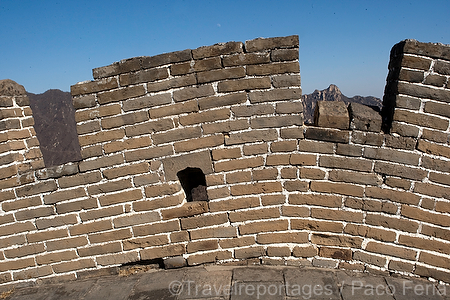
point(341, 193)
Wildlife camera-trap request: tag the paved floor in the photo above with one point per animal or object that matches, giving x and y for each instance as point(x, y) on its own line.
point(238, 283)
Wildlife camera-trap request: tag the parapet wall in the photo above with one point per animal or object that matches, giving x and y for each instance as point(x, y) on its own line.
point(338, 194)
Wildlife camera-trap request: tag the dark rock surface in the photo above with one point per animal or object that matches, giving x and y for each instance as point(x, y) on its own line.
point(54, 122)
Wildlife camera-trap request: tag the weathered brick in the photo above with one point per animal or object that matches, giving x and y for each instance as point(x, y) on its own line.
point(436, 232)
point(44, 223)
point(37, 188)
point(156, 203)
point(166, 58)
point(189, 93)
point(148, 153)
point(355, 177)
point(436, 80)
point(122, 171)
point(223, 127)
point(66, 243)
point(392, 222)
point(244, 253)
point(98, 112)
point(391, 250)
point(220, 101)
point(336, 214)
point(238, 177)
point(105, 161)
point(17, 264)
point(273, 68)
point(370, 232)
point(217, 50)
point(147, 128)
point(328, 135)
point(121, 94)
point(432, 190)
point(65, 267)
point(369, 258)
point(282, 237)
point(101, 137)
point(226, 153)
point(244, 84)
point(278, 121)
point(27, 202)
point(442, 206)
point(30, 213)
point(305, 251)
point(205, 116)
point(202, 246)
point(416, 213)
point(172, 83)
point(145, 242)
point(392, 155)
point(234, 203)
point(372, 205)
point(152, 229)
point(398, 183)
point(367, 138)
point(30, 249)
point(260, 44)
point(100, 249)
point(423, 243)
point(147, 75)
point(124, 119)
point(339, 188)
point(254, 214)
point(289, 173)
point(209, 257)
point(220, 74)
point(311, 173)
point(162, 189)
point(255, 188)
point(420, 119)
point(263, 226)
point(296, 185)
point(237, 242)
point(136, 219)
point(411, 75)
point(54, 257)
point(163, 251)
point(217, 193)
point(107, 236)
point(203, 221)
point(315, 146)
point(63, 195)
point(315, 199)
point(252, 136)
point(284, 54)
point(120, 197)
point(265, 174)
point(252, 110)
point(79, 179)
point(238, 164)
point(94, 86)
point(278, 251)
point(435, 149)
point(399, 170)
point(187, 210)
point(327, 226)
point(176, 135)
point(275, 95)
point(147, 101)
point(435, 136)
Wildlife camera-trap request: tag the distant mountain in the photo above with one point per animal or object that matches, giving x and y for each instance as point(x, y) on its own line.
point(54, 123)
point(332, 93)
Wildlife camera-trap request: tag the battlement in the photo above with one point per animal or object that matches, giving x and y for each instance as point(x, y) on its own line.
point(201, 156)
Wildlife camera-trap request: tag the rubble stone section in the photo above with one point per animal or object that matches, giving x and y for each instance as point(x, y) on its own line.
point(277, 191)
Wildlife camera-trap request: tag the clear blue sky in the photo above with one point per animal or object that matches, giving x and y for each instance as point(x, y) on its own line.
point(55, 44)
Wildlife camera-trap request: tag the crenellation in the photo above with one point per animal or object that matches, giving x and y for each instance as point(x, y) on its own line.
point(261, 184)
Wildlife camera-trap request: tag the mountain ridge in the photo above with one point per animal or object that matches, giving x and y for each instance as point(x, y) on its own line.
point(333, 93)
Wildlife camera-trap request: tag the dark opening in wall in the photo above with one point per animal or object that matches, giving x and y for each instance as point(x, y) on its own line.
point(194, 184)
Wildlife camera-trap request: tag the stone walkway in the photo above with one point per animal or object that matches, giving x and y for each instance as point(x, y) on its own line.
point(238, 283)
